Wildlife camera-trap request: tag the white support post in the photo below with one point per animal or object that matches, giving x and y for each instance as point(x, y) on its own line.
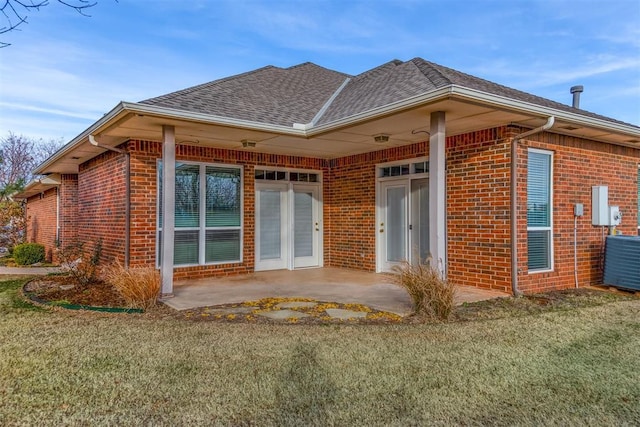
point(168, 208)
point(437, 192)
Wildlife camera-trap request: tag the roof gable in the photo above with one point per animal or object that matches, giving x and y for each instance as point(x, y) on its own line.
point(383, 85)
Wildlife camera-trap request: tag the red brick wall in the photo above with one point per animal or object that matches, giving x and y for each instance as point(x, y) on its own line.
point(41, 220)
point(478, 209)
point(101, 205)
point(68, 209)
point(578, 165)
point(350, 238)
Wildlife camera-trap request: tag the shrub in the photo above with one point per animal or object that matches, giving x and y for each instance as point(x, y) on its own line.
point(139, 286)
point(28, 253)
point(431, 293)
point(81, 264)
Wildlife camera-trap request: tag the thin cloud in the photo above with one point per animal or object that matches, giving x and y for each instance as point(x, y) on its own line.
point(53, 111)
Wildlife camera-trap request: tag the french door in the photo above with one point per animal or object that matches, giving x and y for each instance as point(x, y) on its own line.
point(403, 222)
point(288, 232)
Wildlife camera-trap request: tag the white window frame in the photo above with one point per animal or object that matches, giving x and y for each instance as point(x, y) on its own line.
point(549, 228)
point(202, 228)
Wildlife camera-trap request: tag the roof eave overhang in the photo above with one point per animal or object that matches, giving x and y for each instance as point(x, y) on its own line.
point(502, 102)
point(452, 92)
point(126, 108)
point(464, 94)
point(37, 186)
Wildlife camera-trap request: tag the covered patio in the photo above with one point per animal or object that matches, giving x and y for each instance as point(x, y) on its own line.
point(341, 285)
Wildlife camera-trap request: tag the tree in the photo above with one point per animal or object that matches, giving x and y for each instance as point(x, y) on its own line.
point(16, 12)
point(19, 155)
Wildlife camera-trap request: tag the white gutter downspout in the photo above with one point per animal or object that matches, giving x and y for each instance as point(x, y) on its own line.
point(127, 207)
point(514, 200)
point(58, 215)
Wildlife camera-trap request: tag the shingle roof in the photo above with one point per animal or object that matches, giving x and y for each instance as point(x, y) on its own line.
point(466, 80)
point(273, 95)
point(284, 96)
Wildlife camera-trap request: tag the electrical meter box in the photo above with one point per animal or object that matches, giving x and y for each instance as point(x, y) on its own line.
point(600, 205)
point(615, 216)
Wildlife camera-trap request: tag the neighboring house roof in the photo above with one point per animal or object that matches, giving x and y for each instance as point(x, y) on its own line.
point(298, 94)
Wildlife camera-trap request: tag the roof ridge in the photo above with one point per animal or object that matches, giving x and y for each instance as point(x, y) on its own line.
point(432, 65)
point(368, 73)
point(317, 66)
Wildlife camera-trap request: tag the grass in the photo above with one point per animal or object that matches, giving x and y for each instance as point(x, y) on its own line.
point(564, 367)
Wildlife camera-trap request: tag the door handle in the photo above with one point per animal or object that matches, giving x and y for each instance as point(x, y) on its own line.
point(382, 227)
point(317, 227)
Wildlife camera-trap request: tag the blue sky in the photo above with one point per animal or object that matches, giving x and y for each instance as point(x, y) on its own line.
point(63, 71)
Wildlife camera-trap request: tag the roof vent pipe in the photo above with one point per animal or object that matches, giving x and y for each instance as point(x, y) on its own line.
point(576, 91)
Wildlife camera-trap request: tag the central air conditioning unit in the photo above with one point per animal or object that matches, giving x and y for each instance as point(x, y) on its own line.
point(622, 262)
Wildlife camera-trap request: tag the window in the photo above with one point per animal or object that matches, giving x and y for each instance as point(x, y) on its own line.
point(418, 166)
point(208, 214)
point(398, 170)
point(277, 175)
point(540, 211)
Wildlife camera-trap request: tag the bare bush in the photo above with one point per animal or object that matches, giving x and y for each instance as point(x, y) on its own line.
point(139, 286)
point(82, 264)
point(431, 293)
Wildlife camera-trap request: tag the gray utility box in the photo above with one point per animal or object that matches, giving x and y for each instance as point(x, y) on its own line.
point(622, 262)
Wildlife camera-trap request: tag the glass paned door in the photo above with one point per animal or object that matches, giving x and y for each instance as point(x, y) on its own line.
point(393, 227)
point(271, 227)
point(419, 225)
point(403, 228)
point(306, 226)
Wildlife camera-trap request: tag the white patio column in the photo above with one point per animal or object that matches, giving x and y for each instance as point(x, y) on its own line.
point(168, 208)
point(437, 192)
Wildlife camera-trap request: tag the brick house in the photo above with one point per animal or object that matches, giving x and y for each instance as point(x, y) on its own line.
point(286, 168)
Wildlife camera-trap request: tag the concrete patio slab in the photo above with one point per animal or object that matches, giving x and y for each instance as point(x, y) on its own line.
point(344, 286)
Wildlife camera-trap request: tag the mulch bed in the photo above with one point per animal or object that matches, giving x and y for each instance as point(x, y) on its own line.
point(64, 289)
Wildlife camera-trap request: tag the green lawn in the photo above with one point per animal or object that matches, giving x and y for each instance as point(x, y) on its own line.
point(569, 367)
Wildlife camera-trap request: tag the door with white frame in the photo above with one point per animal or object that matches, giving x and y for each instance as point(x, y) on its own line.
point(288, 225)
point(402, 214)
point(272, 226)
point(306, 226)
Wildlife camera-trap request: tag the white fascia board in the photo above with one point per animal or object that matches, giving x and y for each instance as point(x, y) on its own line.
point(80, 139)
point(161, 112)
point(38, 185)
point(543, 112)
point(170, 113)
point(480, 97)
